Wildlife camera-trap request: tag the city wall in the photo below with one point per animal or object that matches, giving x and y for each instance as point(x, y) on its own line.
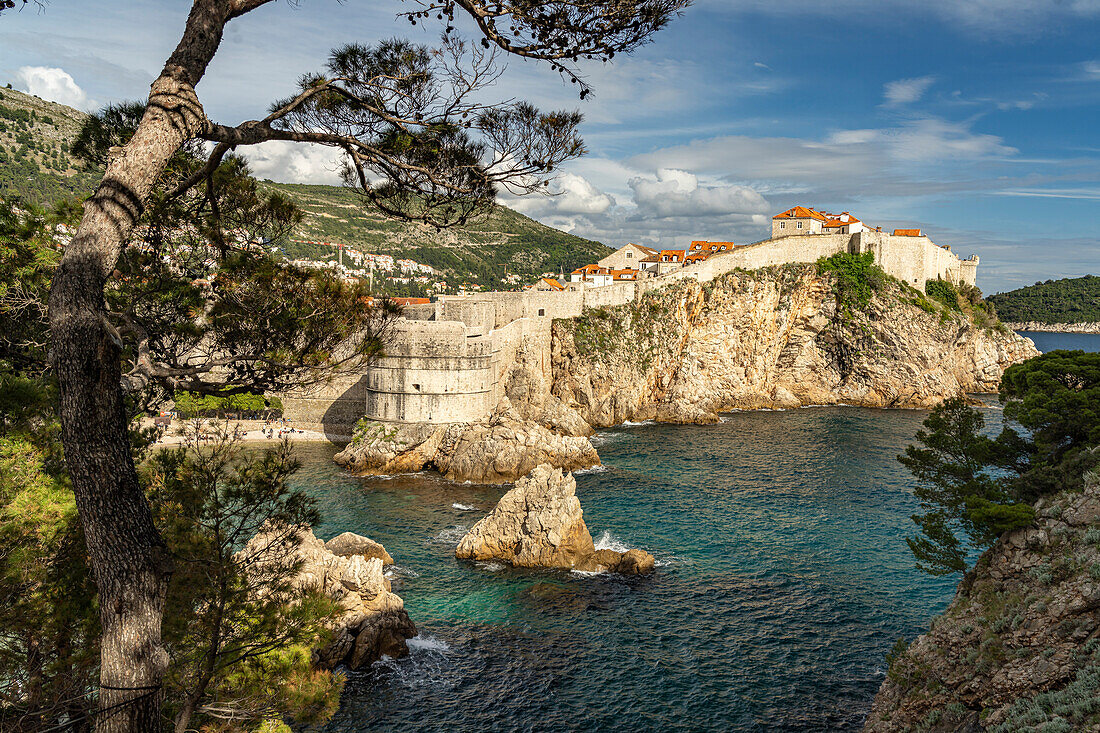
point(448, 360)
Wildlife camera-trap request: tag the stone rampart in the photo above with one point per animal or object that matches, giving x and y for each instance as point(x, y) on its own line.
point(447, 360)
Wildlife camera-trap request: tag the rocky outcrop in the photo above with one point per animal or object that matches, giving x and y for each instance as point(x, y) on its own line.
point(539, 524)
point(1055, 327)
point(498, 449)
point(350, 544)
point(771, 338)
point(374, 621)
point(1019, 647)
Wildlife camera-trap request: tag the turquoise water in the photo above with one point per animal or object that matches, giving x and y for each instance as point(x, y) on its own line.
point(784, 579)
point(1050, 341)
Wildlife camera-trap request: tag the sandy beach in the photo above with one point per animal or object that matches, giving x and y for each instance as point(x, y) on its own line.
point(246, 431)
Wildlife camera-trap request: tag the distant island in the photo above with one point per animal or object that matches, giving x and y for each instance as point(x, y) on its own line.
point(1070, 304)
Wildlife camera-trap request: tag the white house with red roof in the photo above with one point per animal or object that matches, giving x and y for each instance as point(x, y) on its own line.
point(804, 220)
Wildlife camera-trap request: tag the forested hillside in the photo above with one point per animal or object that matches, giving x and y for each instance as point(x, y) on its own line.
point(504, 241)
point(1072, 300)
point(34, 149)
point(35, 165)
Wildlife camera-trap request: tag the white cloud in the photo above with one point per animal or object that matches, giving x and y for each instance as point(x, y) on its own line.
point(55, 85)
point(906, 91)
point(290, 162)
point(678, 193)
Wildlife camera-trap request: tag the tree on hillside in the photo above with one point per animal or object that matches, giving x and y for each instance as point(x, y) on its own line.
point(418, 142)
point(973, 488)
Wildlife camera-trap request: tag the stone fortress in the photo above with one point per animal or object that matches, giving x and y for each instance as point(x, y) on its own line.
point(448, 361)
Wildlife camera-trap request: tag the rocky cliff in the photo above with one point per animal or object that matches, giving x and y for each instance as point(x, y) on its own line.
point(539, 524)
point(347, 569)
point(777, 337)
point(500, 448)
point(1019, 647)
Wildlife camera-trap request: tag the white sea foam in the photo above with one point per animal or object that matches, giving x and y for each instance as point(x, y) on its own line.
point(422, 643)
point(632, 424)
point(451, 535)
point(396, 571)
point(590, 469)
point(492, 567)
point(608, 541)
point(463, 507)
point(586, 573)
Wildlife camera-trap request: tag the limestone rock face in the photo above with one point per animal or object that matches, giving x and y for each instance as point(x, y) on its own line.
point(350, 544)
point(1016, 648)
point(766, 339)
point(498, 449)
point(374, 621)
point(539, 524)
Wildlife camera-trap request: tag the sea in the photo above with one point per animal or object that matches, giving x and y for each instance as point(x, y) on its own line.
point(783, 579)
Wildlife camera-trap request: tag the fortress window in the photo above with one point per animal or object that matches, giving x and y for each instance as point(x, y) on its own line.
point(782, 225)
point(542, 311)
point(799, 225)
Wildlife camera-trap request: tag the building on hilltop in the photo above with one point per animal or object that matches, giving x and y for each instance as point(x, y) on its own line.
point(547, 285)
point(804, 220)
point(627, 257)
point(592, 275)
point(799, 220)
point(670, 260)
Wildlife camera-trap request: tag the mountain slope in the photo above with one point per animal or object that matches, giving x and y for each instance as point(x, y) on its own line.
point(505, 240)
point(34, 149)
point(1071, 300)
point(35, 165)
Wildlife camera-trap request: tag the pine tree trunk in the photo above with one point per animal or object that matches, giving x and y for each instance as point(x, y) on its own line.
point(127, 556)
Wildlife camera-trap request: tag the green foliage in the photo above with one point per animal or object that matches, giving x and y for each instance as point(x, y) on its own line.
point(944, 292)
point(481, 251)
point(236, 627)
point(856, 277)
point(980, 487)
point(1072, 300)
point(190, 404)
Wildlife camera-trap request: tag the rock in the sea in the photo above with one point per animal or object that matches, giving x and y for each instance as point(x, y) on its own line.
point(498, 449)
point(539, 524)
point(374, 622)
point(349, 544)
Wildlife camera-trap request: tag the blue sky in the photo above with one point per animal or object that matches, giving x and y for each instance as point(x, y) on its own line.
point(978, 121)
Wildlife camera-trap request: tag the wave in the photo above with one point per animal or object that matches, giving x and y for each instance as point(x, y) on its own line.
point(463, 507)
point(492, 567)
point(586, 573)
point(396, 571)
point(632, 424)
point(590, 469)
point(451, 535)
point(422, 643)
point(608, 541)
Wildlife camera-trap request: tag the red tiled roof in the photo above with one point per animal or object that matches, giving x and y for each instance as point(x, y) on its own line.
point(676, 254)
point(907, 232)
point(801, 212)
point(411, 301)
point(552, 282)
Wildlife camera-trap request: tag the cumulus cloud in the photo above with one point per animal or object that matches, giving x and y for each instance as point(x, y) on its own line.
point(906, 91)
point(55, 85)
point(678, 193)
point(290, 162)
point(569, 195)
